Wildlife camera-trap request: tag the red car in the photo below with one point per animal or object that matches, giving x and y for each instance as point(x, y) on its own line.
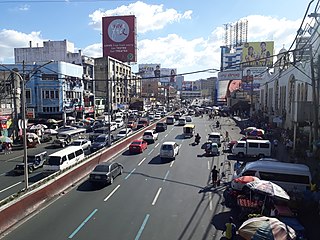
point(138, 146)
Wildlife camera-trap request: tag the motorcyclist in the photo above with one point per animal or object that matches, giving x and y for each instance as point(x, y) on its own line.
point(197, 138)
point(217, 124)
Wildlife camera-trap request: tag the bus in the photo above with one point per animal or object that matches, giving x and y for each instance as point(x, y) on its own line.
point(63, 159)
point(65, 138)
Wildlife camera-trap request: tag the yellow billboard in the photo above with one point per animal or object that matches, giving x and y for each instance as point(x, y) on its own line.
point(257, 54)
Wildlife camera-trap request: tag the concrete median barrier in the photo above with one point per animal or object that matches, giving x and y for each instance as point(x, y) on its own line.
point(18, 207)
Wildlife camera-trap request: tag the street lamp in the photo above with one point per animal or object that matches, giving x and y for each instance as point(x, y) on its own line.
point(23, 115)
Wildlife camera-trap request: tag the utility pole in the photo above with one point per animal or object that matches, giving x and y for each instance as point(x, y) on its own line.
point(315, 94)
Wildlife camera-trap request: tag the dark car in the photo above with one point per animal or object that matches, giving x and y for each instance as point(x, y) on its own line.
point(161, 127)
point(101, 130)
point(105, 173)
point(100, 142)
point(142, 123)
point(34, 162)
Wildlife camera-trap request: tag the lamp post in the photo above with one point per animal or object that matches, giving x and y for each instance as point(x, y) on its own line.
point(23, 115)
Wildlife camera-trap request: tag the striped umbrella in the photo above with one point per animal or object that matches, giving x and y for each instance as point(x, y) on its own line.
point(239, 183)
point(266, 228)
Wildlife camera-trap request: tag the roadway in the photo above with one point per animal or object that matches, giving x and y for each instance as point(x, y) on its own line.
point(153, 199)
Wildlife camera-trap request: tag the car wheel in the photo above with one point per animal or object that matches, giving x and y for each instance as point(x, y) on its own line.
point(111, 181)
point(30, 169)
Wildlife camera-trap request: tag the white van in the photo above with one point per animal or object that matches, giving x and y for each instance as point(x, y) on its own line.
point(169, 150)
point(252, 147)
point(290, 176)
point(215, 137)
point(63, 159)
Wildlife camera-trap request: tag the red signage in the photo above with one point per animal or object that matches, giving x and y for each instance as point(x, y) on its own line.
point(119, 38)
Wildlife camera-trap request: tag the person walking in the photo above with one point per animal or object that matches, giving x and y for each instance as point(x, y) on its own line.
point(230, 229)
point(214, 175)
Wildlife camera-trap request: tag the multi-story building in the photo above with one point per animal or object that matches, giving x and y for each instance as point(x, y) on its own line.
point(114, 81)
point(63, 51)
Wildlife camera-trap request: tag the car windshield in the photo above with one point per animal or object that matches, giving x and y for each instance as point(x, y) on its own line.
point(147, 134)
point(76, 143)
point(100, 139)
point(167, 147)
point(30, 158)
point(122, 132)
point(54, 160)
point(136, 143)
point(101, 168)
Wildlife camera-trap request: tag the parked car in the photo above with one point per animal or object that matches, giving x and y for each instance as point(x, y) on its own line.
point(34, 162)
point(100, 142)
point(84, 143)
point(169, 150)
point(150, 136)
point(123, 133)
point(104, 173)
point(161, 127)
point(170, 120)
point(138, 146)
point(157, 117)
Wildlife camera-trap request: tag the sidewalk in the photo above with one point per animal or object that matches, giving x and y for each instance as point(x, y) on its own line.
point(309, 214)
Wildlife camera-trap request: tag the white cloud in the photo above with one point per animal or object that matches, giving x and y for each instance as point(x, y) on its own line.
point(10, 39)
point(24, 7)
point(151, 17)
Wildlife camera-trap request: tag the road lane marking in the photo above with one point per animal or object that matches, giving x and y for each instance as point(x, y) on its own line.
point(165, 177)
point(14, 158)
point(208, 165)
point(142, 227)
point(10, 187)
point(2, 174)
point(113, 191)
point(156, 197)
point(82, 224)
point(130, 174)
point(171, 164)
point(166, 135)
point(141, 161)
point(156, 145)
point(150, 151)
point(210, 201)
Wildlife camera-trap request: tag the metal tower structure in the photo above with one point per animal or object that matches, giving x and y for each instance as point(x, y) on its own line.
point(236, 33)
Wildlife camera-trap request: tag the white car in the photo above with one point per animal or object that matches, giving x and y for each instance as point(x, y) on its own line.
point(113, 126)
point(169, 150)
point(157, 117)
point(123, 133)
point(84, 143)
point(150, 136)
point(119, 122)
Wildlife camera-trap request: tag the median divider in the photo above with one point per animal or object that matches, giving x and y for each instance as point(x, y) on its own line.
point(43, 192)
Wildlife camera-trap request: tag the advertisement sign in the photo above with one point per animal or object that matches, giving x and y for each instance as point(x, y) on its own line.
point(249, 86)
point(254, 74)
point(149, 70)
point(229, 75)
point(190, 86)
point(255, 54)
point(168, 75)
point(119, 38)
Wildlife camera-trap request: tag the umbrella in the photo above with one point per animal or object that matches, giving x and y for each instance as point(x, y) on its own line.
point(269, 189)
point(256, 132)
point(32, 135)
point(90, 119)
point(5, 139)
point(51, 120)
point(50, 131)
point(239, 183)
point(265, 228)
point(249, 129)
point(70, 118)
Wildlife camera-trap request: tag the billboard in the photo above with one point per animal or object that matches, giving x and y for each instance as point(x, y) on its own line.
point(257, 54)
point(168, 75)
point(149, 70)
point(229, 75)
point(119, 38)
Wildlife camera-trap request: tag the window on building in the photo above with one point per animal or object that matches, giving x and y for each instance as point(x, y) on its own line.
point(49, 76)
point(28, 96)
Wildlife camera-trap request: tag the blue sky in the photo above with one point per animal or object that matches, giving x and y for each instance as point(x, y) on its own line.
point(182, 34)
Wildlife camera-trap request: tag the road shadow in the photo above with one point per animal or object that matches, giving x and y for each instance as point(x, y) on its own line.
point(37, 177)
point(180, 136)
point(128, 153)
point(157, 160)
point(219, 220)
point(86, 186)
point(50, 147)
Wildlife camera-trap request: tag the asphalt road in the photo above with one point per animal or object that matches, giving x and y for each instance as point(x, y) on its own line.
point(153, 199)
point(11, 184)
